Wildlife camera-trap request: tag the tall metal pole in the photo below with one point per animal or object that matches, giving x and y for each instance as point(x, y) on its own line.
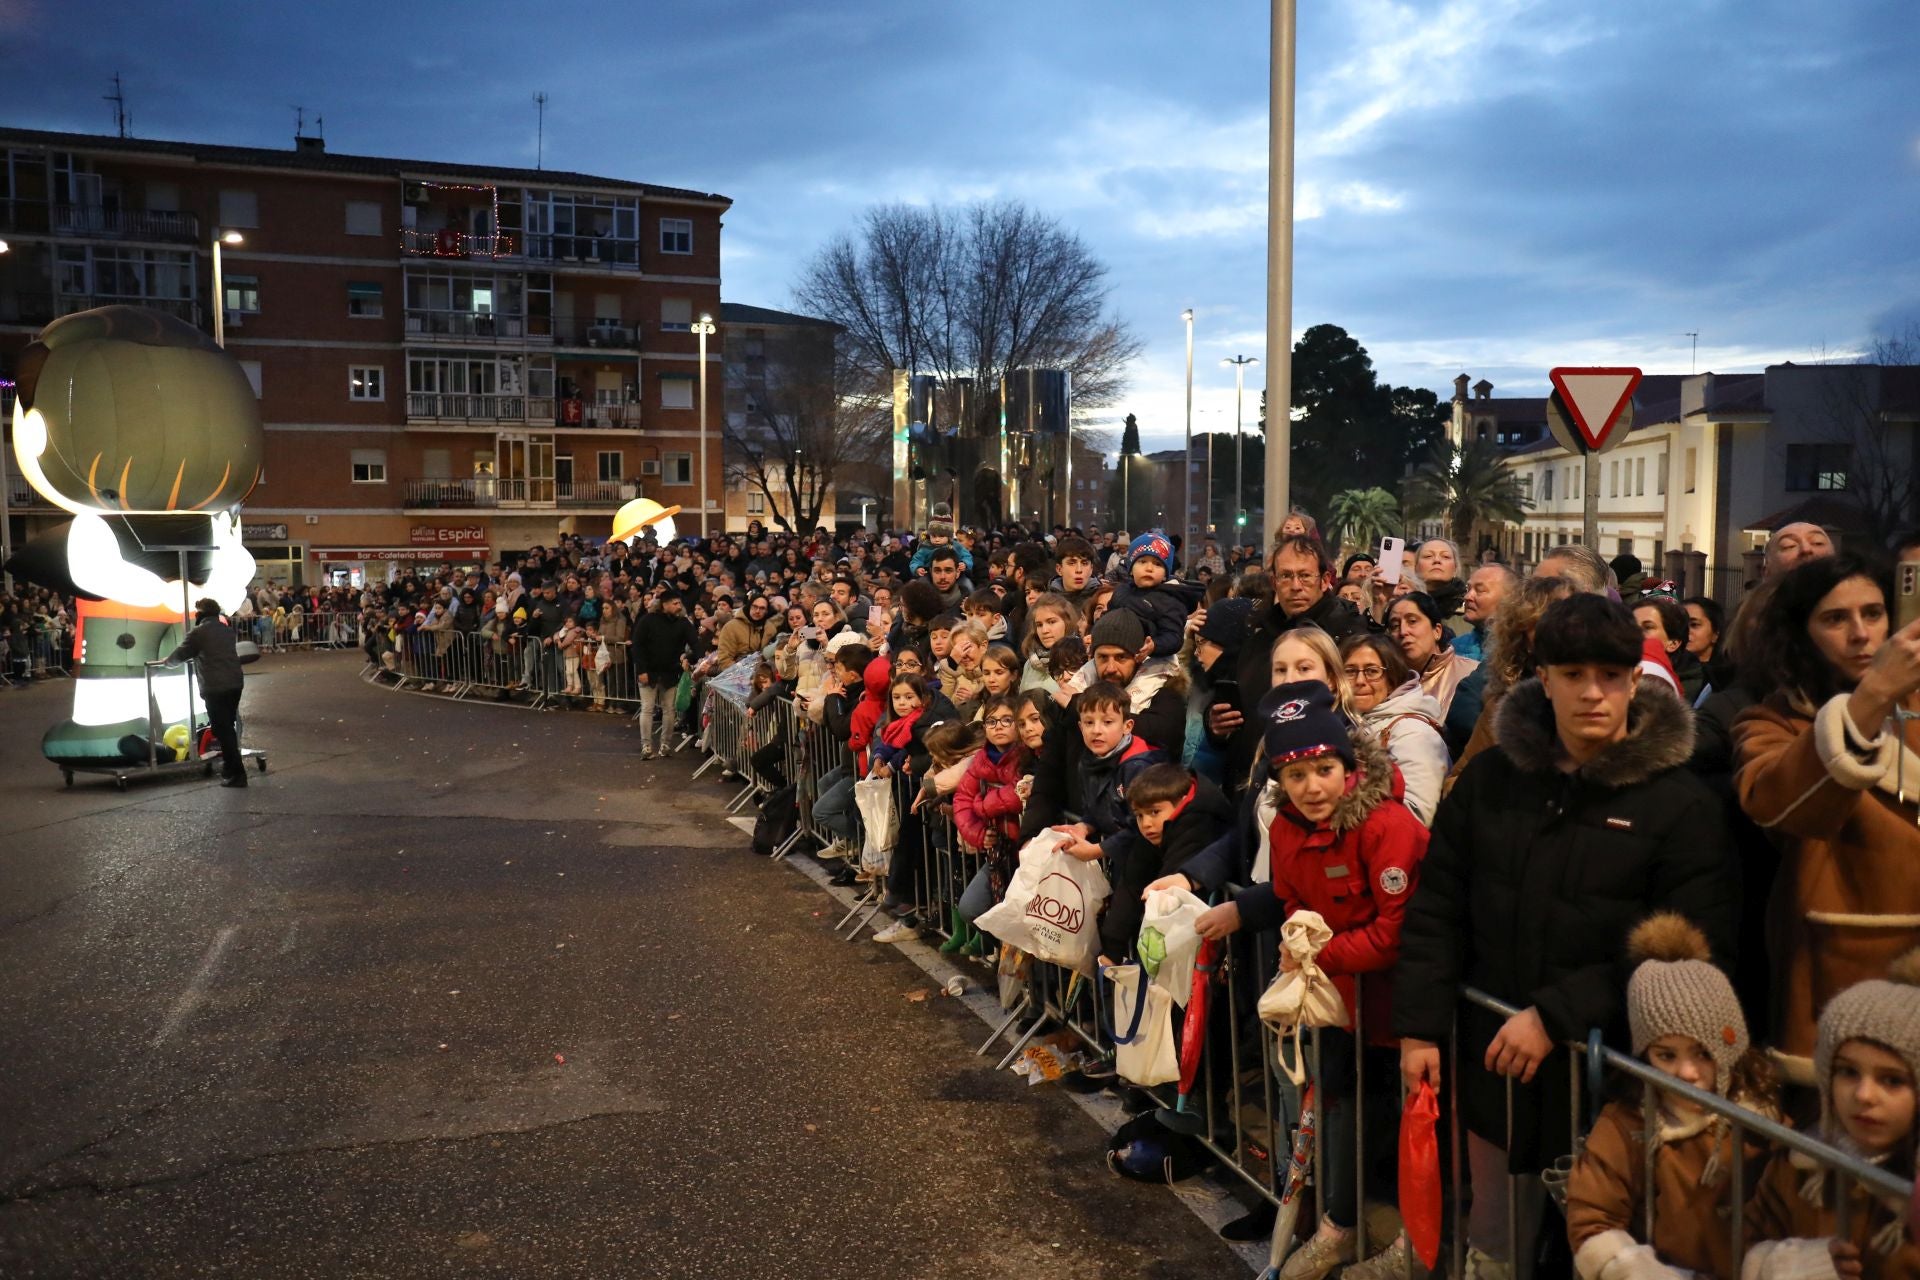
point(219, 296)
point(1280, 267)
point(704, 327)
point(1186, 515)
point(1126, 495)
point(1239, 364)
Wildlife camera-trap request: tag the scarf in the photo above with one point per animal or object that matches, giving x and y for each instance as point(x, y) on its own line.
point(896, 733)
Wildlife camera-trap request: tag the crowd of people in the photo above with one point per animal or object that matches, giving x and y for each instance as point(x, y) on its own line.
point(36, 633)
point(1571, 788)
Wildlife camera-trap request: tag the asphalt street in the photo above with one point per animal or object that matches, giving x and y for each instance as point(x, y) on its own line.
point(468, 990)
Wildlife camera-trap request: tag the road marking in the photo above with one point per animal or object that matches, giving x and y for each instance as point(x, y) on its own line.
point(196, 986)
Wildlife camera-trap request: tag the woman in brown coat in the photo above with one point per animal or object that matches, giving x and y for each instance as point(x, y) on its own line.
point(1823, 766)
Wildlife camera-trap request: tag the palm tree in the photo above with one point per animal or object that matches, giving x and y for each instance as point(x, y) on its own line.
point(1471, 487)
point(1364, 516)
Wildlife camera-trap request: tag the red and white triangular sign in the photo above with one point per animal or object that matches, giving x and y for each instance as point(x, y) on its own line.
point(1595, 398)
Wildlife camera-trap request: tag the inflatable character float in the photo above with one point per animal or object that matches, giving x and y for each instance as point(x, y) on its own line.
point(149, 434)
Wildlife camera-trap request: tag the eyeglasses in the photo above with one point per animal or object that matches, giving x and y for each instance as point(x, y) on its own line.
point(1368, 674)
point(1000, 722)
point(1302, 577)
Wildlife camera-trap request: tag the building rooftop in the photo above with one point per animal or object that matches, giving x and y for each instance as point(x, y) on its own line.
point(742, 313)
point(319, 160)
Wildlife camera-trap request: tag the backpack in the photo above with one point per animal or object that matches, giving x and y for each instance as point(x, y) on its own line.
point(779, 816)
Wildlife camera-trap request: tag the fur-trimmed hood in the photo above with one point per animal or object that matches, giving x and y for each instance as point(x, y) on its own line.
point(1376, 781)
point(1659, 735)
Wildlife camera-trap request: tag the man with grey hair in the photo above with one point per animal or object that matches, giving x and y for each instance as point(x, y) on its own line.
point(1487, 586)
point(1578, 564)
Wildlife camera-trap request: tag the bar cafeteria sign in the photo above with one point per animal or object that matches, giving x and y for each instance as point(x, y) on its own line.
point(441, 536)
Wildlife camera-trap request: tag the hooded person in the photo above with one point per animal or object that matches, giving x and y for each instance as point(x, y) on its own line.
point(1212, 667)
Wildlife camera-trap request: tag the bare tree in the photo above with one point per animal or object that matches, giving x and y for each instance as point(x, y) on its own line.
point(809, 425)
point(975, 292)
point(1867, 408)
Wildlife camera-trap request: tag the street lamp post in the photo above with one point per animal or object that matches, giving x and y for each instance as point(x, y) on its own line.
point(1280, 126)
point(6, 515)
point(1186, 516)
point(1239, 364)
point(219, 286)
point(705, 328)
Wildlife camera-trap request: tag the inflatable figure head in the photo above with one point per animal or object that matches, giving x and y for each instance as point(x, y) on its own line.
point(126, 411)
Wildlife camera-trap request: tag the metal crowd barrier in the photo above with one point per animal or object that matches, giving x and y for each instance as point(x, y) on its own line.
point(322, 629)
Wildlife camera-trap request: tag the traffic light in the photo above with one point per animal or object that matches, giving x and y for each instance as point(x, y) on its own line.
point(1241, 519)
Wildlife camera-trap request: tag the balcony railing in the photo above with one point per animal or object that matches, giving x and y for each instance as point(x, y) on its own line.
point(180, 308)
point(479, 410)
point(586, 250)
point(448, 242)
point(591, 333)
point(464, 326)
point(488, 492)
point(21, 496)
point(128, 224)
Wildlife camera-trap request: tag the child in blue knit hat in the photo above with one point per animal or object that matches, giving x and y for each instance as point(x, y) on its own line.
point(1162, 603)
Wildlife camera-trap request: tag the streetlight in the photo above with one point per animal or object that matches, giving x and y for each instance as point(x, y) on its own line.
point(219, 288)
point(1280, 128)
point(1239, 364)
point(1186, 517)
point(704, 327)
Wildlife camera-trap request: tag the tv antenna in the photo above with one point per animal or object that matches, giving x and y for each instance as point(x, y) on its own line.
point(540, 153)
point(1695, 335)
point(299, 121)
point(122, 121)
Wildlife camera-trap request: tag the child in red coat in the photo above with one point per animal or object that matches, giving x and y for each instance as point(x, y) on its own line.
point(1344, 845)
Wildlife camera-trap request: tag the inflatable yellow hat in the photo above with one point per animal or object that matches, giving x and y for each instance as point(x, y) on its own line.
point(638, 514)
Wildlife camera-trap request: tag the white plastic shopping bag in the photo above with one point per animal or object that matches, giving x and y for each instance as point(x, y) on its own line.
point(1052, 906)
point(1142, 1028)
point(1303, 996)
point(1167, 943)
point(873, 797)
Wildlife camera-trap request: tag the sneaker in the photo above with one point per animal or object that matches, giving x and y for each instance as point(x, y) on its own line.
point(1318, 1257)
point(1395, 1262)
point(646, 753)
point(1482, 1267)
point(899, 931)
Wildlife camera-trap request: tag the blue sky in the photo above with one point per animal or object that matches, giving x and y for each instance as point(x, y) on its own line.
point(1488, 186)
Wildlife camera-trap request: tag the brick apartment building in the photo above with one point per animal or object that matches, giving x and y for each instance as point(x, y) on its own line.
point(453, 361)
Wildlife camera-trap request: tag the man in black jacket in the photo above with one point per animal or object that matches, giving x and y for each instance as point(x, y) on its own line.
point(212, 645)
point(1303, 597)
point(661, 639)
point(1551, 848)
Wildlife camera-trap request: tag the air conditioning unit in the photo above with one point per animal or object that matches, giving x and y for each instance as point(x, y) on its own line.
point(414, 193)
point(650, 468)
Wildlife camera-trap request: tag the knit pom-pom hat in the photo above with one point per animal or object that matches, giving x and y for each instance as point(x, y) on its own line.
point(1675, 990)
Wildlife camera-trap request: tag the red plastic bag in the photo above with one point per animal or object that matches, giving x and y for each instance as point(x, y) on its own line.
point(1420, 1173)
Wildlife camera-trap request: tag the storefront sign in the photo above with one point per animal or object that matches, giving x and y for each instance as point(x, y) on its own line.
point(342, 554)
point(445, 536)
point(263, 532)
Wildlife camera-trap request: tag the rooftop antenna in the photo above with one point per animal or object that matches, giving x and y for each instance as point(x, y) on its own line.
point(1695, 335)
point(320, 127)
point(540, 104)
point(122, 122)
point(299, 121)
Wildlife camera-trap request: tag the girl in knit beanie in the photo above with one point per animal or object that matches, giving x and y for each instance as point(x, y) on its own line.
point(1866, 1061)
point(1686, 1023)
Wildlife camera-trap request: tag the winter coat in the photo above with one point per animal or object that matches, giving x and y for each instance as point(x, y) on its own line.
point(1158, 710)
point(985, 806)
point(1103, 789)
point(1357, 869)
point(1164, 609)
point(1407, 723)
point(1156, 698)
point(741, 637)
point(1531, 883)
point(659, 640)
point(1846, 901)
point(1136, 863)
point(866, 716)
point(1331, 614)
point(1445, 673)
point(1790, 1231)
point(1606, 1194)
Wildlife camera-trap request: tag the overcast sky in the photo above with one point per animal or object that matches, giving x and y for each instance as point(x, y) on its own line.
point(1488, 186)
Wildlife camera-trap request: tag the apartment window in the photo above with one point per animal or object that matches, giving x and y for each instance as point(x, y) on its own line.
point(1659, 557)
point(369, 466)
point(1660, 474)
point(252, 369)
point(366, 382)
point(243, 294)
point(1692, 469)
point(363, 217)
point(756, 504)
point(1613, 478)
point(239, 209)
point(676, 468)
point(676, 235)
point(1817, 467)
point(1640, 477)
point(366, 299)
point(676, 315)
point(1546, 485)
point(163, 197)
point(611, 465)
point(676, 391)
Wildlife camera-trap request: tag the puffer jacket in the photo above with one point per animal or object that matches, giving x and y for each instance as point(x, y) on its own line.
point(985, 805)
point(1197, 823)
point(1407, 722)
point(1532, 881)
point(1846, 901)
point(1357, 869)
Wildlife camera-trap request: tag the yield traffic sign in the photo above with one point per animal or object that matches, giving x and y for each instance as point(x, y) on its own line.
point(1598, 401)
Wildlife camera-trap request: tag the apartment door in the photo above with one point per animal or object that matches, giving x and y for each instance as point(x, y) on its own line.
point(510, 453)
point(540, 470)
point(563, 474)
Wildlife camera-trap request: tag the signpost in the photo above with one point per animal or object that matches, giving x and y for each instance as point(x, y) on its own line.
point(1589, 412)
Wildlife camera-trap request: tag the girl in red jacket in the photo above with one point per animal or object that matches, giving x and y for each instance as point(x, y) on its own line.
point(986, 808)
point(1342, 844)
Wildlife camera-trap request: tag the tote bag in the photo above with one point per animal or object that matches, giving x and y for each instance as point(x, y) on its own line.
point(1167, 942)
point(1052, 906)
point(873, 797)
point(1142, 1028)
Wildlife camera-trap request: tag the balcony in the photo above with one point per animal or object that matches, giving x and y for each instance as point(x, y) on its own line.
point(587, 251)
point(124, 224)
point(475, 410)
point(465, 326)
point(591, 333)
point(449, 242)
point(487, 493)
